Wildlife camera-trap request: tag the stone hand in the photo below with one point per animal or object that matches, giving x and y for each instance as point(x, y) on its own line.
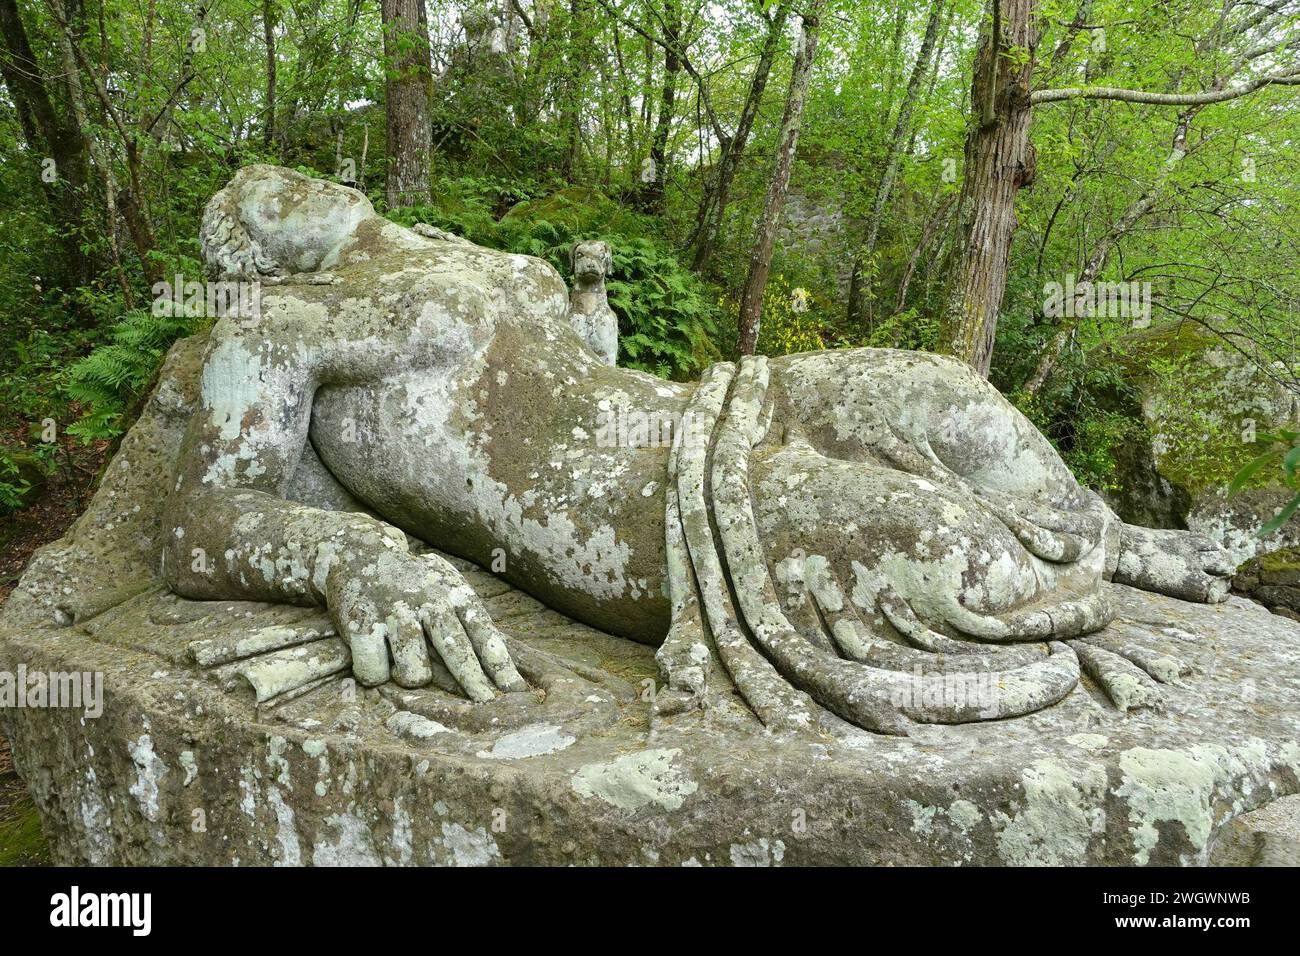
point(1050, 532)
point(392, 606)
point(1178, 563)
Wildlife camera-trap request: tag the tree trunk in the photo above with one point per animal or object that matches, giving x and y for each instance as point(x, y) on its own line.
point(572, 112)
point(760, 259)
point(407, 92)
point(931, 229)
point(268, 33)
point(361, 166)
point(48, 136)
point(999, 160)
point(624, 97)
point(134, 209)
point(138, 221)
point(672, 25)
point(713, 206)
point(857, 305)
point(896, 51)
point(339, 111)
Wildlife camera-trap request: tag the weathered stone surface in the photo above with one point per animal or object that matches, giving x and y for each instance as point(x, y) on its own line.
point(848, 542)
point(578, 776)
point(1266, 837)
point(409, 777)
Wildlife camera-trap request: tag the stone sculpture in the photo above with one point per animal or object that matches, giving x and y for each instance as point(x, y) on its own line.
point(829, 575)
point(589, 311)
point(878, 511)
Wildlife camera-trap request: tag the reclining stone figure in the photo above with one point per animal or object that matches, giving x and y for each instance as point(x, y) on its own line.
point(830, 531)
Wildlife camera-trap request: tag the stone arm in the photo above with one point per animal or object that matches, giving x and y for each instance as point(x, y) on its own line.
point(233, 536)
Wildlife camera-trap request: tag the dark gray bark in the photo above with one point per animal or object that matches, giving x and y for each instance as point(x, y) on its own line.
point(999, 160)
point(672, 38)
point(713, 206)
point(268, 34)
point(53, 135)
point(857, 306)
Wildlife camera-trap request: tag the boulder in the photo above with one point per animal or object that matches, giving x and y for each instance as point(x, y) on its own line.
point(1272, 579)
point(1204, 401)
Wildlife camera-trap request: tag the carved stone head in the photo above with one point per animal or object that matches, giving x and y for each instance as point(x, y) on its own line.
point(274, 221)
point(592, 261)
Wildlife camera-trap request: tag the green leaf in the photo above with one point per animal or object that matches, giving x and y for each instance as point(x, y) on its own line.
point(1281, 517)
point(1242, 477)
point(1292, 461)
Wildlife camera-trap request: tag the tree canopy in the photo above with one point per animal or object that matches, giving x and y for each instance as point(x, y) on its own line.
point(934, 174)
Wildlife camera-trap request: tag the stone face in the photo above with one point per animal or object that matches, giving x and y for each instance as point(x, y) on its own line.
point(851, 542)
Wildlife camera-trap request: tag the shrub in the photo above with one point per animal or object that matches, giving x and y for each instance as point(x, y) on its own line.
point(108, 379)
point(668, 319)
point(1283, 454)
point(1092, 416)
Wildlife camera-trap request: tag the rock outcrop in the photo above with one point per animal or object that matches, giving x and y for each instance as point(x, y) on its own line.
point(1203, 401)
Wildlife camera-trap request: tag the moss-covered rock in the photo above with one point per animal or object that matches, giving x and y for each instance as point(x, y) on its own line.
point(1272, 579)
point(1204, 403)
point(577, 209)
point(21, 840)
point(26, 472)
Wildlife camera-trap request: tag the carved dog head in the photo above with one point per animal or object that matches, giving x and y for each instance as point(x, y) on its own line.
point(592, 261)
point(274, 221)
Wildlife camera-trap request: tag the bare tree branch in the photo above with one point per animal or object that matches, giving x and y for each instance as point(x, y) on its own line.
point(1162, 99)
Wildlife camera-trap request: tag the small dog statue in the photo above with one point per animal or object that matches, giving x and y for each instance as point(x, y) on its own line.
point(589, 311)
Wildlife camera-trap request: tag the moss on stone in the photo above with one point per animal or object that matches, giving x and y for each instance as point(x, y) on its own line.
point(21, 841)
point(1138, 353)
point(578, 209)
point(1202, 404)
point(1288, 559)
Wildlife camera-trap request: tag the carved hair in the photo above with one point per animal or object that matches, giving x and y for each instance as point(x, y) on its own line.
point(229, 249)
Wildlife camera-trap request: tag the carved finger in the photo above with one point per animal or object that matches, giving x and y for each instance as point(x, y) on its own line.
point(488, 642)
point(906, 457)
point(369, 652)
point(899, 613)
point(448, 638)
point(841, 620)
point(1087, 525)
point(1165, 668)
point(410, 652)
point(1127, 685)
point(1056, 546)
